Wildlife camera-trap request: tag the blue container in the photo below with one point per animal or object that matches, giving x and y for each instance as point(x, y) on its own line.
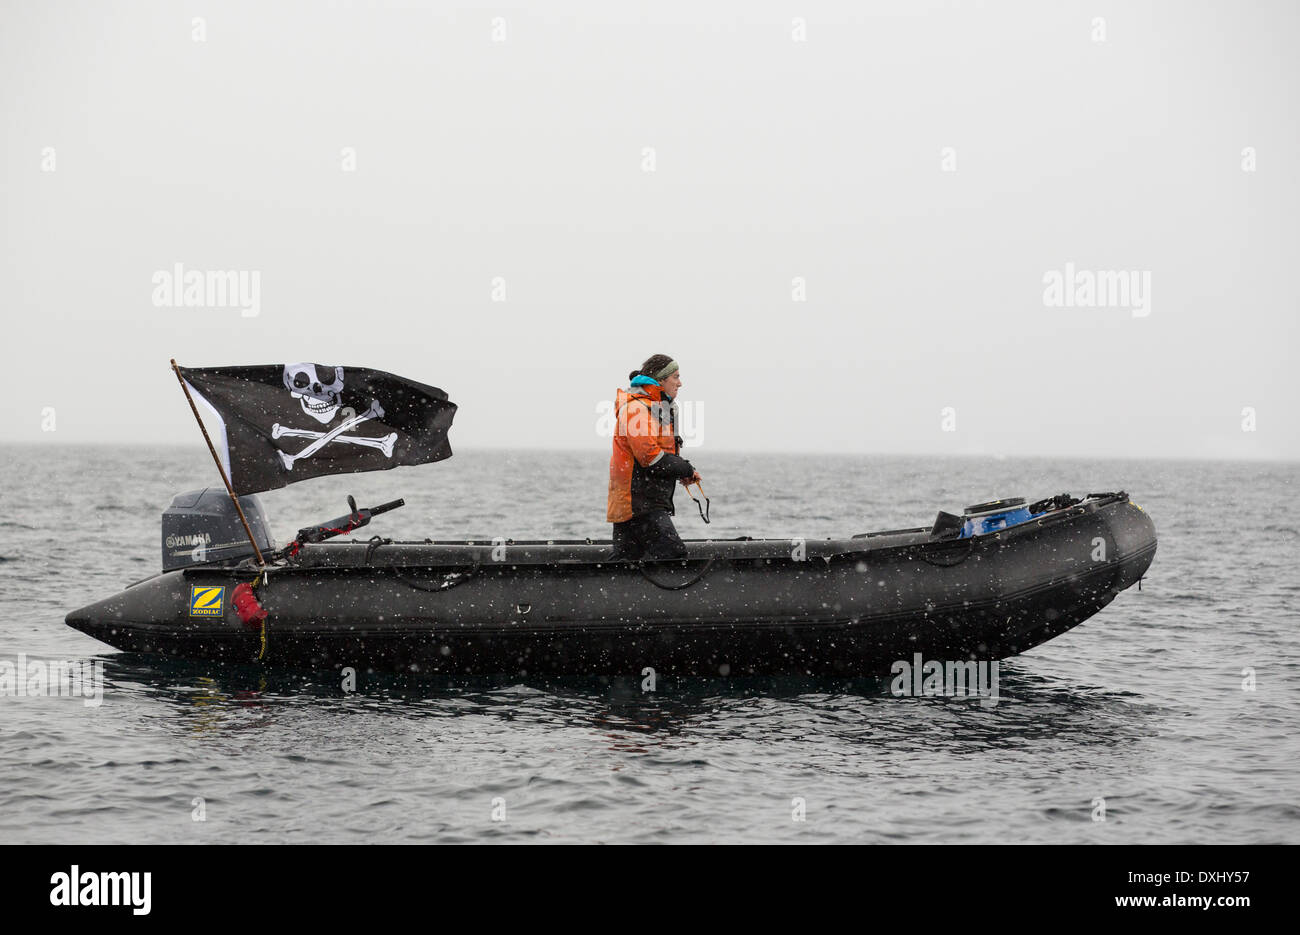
point(993, 516)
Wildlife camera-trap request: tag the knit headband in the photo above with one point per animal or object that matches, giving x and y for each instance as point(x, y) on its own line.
point(671, 368)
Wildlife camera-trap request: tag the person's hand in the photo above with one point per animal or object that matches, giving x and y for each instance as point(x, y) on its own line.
point(693, 479)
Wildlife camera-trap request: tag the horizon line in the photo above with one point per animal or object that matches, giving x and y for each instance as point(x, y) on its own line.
point(1248, 459)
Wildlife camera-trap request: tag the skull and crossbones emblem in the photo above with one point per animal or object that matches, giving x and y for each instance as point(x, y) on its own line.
point(319, 390)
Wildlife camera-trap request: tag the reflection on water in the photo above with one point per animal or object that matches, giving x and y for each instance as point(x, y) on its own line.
point(210, 699)
point(213, 696)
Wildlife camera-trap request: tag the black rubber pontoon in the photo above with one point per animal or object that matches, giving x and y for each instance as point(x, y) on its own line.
point(841, 607)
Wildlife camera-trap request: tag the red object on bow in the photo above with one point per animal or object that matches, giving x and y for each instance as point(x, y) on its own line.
point(246, 605)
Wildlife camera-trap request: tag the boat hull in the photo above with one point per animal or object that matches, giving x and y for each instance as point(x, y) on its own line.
point(836, 607)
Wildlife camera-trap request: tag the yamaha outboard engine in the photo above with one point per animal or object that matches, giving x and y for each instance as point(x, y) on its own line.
point(202, 526)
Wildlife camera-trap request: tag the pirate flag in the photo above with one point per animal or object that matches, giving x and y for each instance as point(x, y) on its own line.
point(282, 423)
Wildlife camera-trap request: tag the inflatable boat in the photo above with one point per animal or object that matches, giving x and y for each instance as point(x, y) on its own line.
point(991, 582)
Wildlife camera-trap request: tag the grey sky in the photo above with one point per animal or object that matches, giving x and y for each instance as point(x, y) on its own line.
point(774, 159)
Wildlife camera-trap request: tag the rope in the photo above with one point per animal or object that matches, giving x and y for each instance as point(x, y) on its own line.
point(374, 543)
point(970, 547)
point(676, 587)
point(704, 510)
point(262, 629)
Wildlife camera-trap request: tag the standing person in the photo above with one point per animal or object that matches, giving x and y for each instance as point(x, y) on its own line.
point(645, 465)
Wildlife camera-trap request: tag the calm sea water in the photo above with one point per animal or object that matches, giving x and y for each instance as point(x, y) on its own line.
point(1142, 706)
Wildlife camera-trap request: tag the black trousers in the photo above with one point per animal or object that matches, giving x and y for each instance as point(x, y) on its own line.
point(651, 535)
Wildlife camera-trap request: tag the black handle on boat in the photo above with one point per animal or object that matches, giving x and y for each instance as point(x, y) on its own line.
point(346, 523)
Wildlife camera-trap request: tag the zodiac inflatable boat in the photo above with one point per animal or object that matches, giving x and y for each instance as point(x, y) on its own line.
point(993, 582)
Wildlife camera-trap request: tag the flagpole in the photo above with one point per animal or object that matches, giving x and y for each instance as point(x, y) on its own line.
point(224, 479)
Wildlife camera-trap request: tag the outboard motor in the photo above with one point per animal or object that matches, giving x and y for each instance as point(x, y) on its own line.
point(203, 525)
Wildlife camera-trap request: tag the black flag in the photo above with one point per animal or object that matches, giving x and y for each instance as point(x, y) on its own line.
point(281, 423)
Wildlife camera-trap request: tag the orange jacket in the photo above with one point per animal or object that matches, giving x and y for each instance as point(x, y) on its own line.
point(644, 466)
